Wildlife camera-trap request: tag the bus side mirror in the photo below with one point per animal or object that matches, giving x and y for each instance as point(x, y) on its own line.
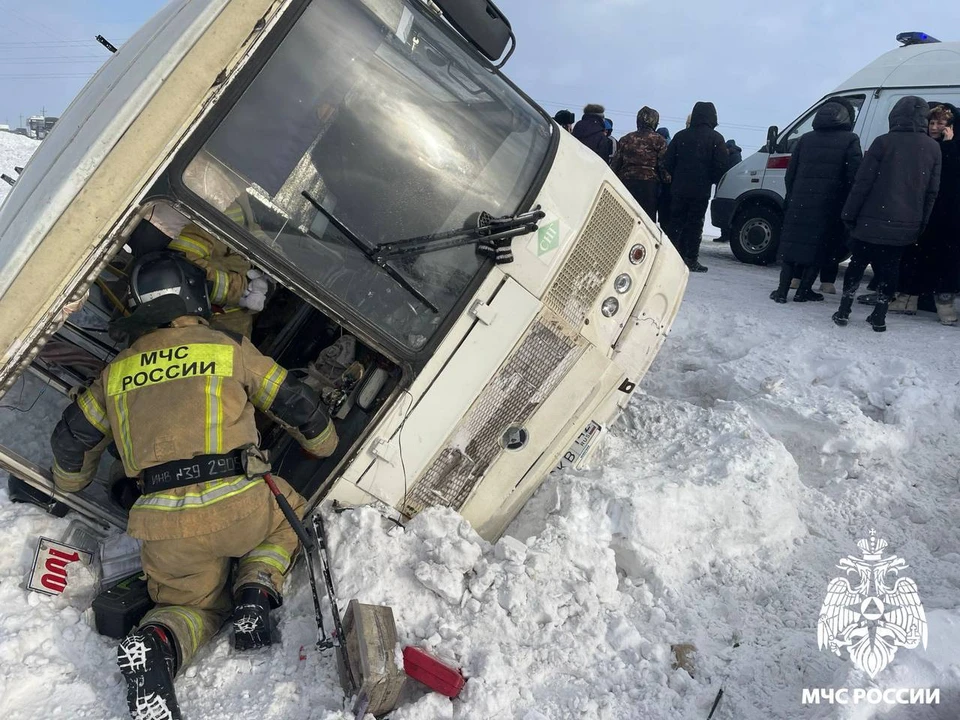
point(481, 23)
point(771, 146)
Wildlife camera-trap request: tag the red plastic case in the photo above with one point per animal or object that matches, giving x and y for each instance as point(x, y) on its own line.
point(425, 668)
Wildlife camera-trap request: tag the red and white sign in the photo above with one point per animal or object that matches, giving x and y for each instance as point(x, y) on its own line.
point(49, 574)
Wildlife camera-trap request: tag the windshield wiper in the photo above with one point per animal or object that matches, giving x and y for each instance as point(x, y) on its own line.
point(488, 228)
point(368, 251)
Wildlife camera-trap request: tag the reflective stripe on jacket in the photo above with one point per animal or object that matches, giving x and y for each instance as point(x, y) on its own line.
point(177, 393)
point(226, 271)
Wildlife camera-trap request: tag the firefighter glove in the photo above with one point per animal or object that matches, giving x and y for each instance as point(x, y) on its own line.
point(255, 296)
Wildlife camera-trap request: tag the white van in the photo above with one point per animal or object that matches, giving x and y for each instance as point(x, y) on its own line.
point(748, 207)
point(369, 144)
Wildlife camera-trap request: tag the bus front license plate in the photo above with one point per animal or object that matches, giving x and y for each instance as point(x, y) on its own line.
point(581, 446)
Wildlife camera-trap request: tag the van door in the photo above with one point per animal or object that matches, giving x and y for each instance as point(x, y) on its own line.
point(777, 162)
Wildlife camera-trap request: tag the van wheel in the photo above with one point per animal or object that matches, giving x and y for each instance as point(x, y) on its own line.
point(755, 234)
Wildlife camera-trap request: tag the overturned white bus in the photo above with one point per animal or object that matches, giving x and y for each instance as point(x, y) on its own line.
point(369, 143)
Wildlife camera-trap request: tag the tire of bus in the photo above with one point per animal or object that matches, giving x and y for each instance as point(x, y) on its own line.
point(755, 234)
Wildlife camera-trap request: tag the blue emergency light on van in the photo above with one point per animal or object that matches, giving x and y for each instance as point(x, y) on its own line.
point(915, 38)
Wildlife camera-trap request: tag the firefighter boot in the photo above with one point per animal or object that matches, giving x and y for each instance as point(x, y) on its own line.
point(251, 618)
point(148, 661)
point(842, 315)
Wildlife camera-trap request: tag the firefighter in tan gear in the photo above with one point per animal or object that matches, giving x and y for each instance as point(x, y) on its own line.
point(236, 288)
point(179, 403)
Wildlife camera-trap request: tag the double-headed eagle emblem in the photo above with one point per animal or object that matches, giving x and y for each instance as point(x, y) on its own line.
point(874, 614)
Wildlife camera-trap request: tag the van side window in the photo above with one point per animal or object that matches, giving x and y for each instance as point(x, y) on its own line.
point(790, 140)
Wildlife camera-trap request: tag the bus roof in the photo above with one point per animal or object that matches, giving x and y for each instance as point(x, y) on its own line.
point(924, 65)
point(101, 157)
point(92, 125)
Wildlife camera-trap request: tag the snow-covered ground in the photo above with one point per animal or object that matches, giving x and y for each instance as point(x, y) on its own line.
point(15, 150)
point(763, 444)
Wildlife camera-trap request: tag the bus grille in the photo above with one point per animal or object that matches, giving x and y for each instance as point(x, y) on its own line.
point(597, 252)
point(541, 361)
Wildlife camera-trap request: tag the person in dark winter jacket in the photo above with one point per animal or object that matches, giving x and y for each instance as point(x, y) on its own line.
point(933, 264)
point(821, 172)
point(639, 161)
point(592, 132)
point(663, 204)
point(734, 154)
point(565, 119)
point(696, 159)
point(890, 204)
point(734, 158)
point(608, 129)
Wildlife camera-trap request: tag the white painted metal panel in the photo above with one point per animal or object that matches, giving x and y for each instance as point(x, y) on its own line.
point(428, 426)
point(92, 125)
point(928, 65)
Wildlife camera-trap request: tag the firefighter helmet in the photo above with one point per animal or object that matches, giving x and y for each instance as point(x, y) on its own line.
point(165, 275)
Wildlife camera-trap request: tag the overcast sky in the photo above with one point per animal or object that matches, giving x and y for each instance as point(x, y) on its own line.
point(762, 63)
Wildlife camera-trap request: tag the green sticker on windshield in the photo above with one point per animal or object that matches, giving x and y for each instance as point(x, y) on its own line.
point(549, 238)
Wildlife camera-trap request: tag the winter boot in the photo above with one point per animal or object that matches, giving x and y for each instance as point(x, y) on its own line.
point(906, 304)
point(945, 308)
point(779, 296)
point(696, 267)
point(878, 318)
point(828, 288)
point(805, 295)
point(251, 618)
point(805, 292)
point(148, 661)
point(842, 315)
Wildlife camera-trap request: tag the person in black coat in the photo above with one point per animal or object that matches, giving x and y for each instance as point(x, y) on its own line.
point(696, 159)
point(889, 205)
point(734, 154)
point(565, 119)
point(933, 264)
point(821, 172)
point(663, 202)
point(592, 132)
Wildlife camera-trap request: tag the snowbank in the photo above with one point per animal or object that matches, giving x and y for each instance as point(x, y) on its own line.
point(15, 150)
point(766, 441)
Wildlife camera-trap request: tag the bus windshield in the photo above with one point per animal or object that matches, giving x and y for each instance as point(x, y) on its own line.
point(371, 110)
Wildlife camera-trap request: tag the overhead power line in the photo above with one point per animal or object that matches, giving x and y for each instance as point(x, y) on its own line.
point(46, 43)
point(7, 62)
point(58, 76)
point(49, 45)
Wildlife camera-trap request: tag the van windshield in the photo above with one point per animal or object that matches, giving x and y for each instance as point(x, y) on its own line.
point(393, 128)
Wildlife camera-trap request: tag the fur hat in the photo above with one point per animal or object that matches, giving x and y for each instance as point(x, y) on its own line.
point(565, 117)
point(593, 109)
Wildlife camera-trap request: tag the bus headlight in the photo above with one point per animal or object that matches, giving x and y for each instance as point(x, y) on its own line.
point(610, 307)
point(623, 283)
